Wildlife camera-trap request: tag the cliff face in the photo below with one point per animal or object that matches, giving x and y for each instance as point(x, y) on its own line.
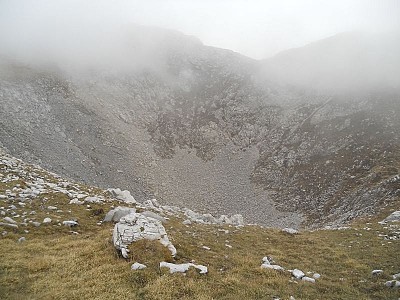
point(206, 131)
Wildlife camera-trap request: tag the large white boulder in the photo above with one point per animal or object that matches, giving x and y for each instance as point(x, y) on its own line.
point(134, 227)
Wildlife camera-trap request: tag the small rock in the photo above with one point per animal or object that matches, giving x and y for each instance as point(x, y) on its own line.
point(51, 207)
point(187, 222)
point(21, 239)
point(206, 248)
point(46, 220)
point(298, 274)
point(138, 266)
point(8, 225)
point(70, 223)
point(395, 276)
point(9, 220)
point(393, 217)
point(153, 215)
point(393, 284)
point(182, 268)
point(316, 276)
point(377, 272)
point(36, 224)
point(290, 230)
point(308, 279)
point(273, 267)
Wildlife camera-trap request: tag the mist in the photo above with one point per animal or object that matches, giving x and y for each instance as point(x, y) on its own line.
point(130, 36)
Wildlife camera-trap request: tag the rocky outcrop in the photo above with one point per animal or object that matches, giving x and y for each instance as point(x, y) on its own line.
point(134, 227)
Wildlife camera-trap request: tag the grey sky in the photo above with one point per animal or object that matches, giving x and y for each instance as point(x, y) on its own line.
point(257, 29)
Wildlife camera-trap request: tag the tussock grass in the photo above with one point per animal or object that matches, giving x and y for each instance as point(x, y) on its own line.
point(54, 263)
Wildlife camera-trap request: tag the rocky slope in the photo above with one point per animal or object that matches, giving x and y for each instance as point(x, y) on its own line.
point(207, 132)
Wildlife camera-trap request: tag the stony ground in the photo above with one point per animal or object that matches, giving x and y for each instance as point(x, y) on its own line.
point(55, 246)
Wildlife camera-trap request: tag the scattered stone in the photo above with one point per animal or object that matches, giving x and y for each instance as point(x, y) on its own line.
point(134, 227)
point(187, 222)
point(36, 224)
point(138, 266)
point(117, 213)
point(393, 217)
point(290, 230)
point(206, 248)
point(21, 239)
point(298, 274)
point(377, 272)
point(76, 201)
point(182, 268)
point(93, 199)
point(9, 220)
point(393, 284)
point(153, 215)
point(395, 276)
point(46, 220)
point(70, 223)
point(308, 279)
point(122, 195)
point(316, 276)
point(51, 207)
point(273, 267)
point(8, 225)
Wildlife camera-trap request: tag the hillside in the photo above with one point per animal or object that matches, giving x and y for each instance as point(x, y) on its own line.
point(55, 245)
point(203, 130)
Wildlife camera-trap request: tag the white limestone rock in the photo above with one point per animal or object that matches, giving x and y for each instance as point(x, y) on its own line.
point(8, 225)
point(138, 266)
point(134, 227)
point(273, 267)
point(70, 223)
point(182, 268)
point(117, 213)
point(298, 273)
point(10, 220)
point(46, 220)
point(290, 230)
point(377, 272)
point(308, 279)
point(122, 195)
point(21, 239)
point(393, 217)
point(153, 215)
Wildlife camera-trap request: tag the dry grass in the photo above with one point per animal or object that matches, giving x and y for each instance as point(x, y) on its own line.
point(54, 263)
point(57, 265)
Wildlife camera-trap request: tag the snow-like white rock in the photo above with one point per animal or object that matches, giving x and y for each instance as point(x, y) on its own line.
point(122, 195)
point(138, 266)
point(8, 225)
point(182, 268)
point(117, 213)
point(9, 220)
point(70, 223)
point(46, 220)
point(134, 227)
point(290, 230)
point(76, 201)
point(377, 272)
point(273, 267)
point(316, 276)
point(393, 217)
point(298, 273)
point(308, 279)
point(21, 239)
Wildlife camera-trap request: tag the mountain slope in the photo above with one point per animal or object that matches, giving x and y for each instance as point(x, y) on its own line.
point(205, 131)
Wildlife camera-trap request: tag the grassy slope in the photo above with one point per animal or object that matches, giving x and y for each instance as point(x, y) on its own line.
point(53, 263)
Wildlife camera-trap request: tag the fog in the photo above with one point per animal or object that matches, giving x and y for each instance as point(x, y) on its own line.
point(108, 34)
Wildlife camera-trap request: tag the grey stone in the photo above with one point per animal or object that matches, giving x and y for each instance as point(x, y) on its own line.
point(298, 273)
